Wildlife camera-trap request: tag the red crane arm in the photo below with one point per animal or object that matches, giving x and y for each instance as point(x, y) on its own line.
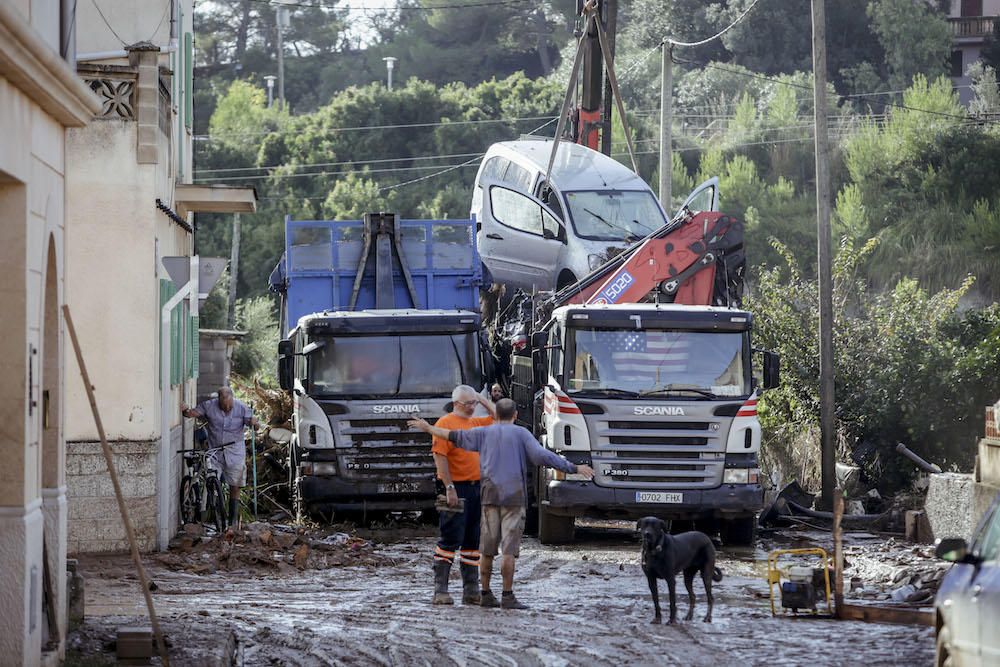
point(680, 260)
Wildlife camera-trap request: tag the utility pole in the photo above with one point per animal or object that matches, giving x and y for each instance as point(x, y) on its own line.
point(666, 122)
point(234, 269)
point(828, 433)
point(282, 21)
point(610, 29)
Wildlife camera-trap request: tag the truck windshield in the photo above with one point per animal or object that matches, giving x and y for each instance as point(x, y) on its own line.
point(614, 215)
point(378, 366)
point(658, 363)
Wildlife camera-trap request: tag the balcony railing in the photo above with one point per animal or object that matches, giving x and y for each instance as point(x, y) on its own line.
point(971, 26)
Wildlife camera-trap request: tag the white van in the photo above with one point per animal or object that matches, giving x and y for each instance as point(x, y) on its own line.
point(532, 234)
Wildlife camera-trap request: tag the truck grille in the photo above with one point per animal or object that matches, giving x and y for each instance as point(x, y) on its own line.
point(383, 450)
point(658, 454)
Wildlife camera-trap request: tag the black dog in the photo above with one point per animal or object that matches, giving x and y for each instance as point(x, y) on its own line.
point(664, 555)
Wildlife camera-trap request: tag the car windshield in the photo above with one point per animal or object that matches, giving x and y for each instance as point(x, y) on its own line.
point(614, 215)
point(427, 365)
point(653, 362)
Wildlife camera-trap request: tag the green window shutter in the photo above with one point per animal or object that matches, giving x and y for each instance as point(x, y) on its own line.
point(167, 290)
point(175, 347)
point(195, 342)
point(188, 80)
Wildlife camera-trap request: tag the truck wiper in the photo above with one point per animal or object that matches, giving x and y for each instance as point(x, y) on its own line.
point(612, 391)
point(667, 391)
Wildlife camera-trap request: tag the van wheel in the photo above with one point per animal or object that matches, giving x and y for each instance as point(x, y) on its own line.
point(738, 532)
point(554, 529)
point(566, 278)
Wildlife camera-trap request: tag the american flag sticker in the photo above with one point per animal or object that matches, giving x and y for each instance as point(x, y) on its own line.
point(648, 356)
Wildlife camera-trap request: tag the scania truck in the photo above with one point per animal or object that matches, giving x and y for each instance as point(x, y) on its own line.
point(379, 321)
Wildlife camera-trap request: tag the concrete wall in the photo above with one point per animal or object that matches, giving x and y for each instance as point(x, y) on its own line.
point(956, 503)
point(215, 356)
point(94, 518)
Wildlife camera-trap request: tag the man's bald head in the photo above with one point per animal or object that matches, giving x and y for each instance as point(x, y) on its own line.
point(506, 410)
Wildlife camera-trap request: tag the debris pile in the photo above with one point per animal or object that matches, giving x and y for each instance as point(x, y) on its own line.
point(273, 408)
point(893, 571)
point(276, 548)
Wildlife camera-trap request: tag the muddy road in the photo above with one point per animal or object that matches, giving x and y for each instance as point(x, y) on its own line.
point(589, 606)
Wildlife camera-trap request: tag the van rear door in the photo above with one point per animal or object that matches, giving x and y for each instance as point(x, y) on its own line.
point(705, 197)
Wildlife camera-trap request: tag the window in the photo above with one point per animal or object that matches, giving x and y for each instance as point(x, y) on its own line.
point(550, 198)
point(614, 215)
point(550, 226)
point(987, 546)
point(555, 353)
point(972, 8)
point(956, 64)
point(494, 168)
point(518, 176)
point(515, 210)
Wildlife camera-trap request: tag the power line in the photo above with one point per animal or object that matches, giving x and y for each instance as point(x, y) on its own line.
point(717, 35)
point(809, 88)
point(466, 5)
point(385, 170)
point(335, 164)
point(208, 137)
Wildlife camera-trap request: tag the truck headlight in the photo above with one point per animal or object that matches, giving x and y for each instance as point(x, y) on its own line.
point(741, 476)
point(595, 261)
point(318, 468)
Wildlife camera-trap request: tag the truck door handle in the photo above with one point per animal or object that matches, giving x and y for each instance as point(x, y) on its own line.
point(494, 236)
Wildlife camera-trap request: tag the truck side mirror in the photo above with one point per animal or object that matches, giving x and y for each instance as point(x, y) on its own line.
point(772, 370)
point(286, 365)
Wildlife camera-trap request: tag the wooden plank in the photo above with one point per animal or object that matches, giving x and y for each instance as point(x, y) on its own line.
point(873, 614)
point(122, 508)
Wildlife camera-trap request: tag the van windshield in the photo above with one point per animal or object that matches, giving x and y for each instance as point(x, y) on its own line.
point(614, 215)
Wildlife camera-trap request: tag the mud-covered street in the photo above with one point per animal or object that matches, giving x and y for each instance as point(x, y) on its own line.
point(589, 605)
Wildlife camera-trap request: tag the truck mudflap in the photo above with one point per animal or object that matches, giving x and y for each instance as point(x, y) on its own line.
point(323, 492)
point(729, 501)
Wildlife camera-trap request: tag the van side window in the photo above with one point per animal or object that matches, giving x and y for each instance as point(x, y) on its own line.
point(494, 168)
point(518, 176)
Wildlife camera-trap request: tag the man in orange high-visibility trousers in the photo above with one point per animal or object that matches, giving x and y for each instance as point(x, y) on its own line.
point(458, 472)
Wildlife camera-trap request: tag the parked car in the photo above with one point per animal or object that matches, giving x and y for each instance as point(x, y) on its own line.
point(534, 234)
point(967, 606)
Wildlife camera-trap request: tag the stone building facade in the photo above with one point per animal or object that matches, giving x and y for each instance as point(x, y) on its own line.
point(40, 97)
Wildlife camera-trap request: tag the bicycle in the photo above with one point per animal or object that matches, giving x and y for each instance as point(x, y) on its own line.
point(202, 477)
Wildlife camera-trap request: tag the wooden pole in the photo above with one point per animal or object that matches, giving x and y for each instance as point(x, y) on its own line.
point(666, 121)
point(828, 435)
point(234, 270)
point(122, 508)
point(838, 552)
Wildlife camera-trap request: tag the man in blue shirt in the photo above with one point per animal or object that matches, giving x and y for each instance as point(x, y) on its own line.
point(227, 417)
point(505, 450)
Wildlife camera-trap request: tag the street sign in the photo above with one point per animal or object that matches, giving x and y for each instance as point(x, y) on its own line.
point(209, 270)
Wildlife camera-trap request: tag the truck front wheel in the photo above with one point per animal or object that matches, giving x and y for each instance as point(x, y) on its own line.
point(554, 529)
point(738, 532)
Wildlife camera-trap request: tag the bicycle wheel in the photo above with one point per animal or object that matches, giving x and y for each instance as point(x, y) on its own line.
point(189, 504)
point(216, 504)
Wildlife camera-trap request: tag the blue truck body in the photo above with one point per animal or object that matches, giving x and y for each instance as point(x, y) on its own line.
point(322, 258)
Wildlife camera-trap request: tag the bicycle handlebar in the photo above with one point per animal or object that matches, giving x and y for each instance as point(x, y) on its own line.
point(201, 451)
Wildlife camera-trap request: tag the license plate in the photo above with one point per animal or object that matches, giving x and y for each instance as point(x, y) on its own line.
point(399, 487)
point(661, 497)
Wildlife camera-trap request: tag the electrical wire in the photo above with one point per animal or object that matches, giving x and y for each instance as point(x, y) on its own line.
point(335, 164)
point(105, 19)
point(674, 42)
point(319, 5)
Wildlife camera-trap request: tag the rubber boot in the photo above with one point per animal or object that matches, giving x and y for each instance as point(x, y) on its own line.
point(442, 569)
point(470, 584)
point(233, 507)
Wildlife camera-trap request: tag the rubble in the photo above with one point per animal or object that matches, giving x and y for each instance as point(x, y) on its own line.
point(890, 569)
point(262, 546)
